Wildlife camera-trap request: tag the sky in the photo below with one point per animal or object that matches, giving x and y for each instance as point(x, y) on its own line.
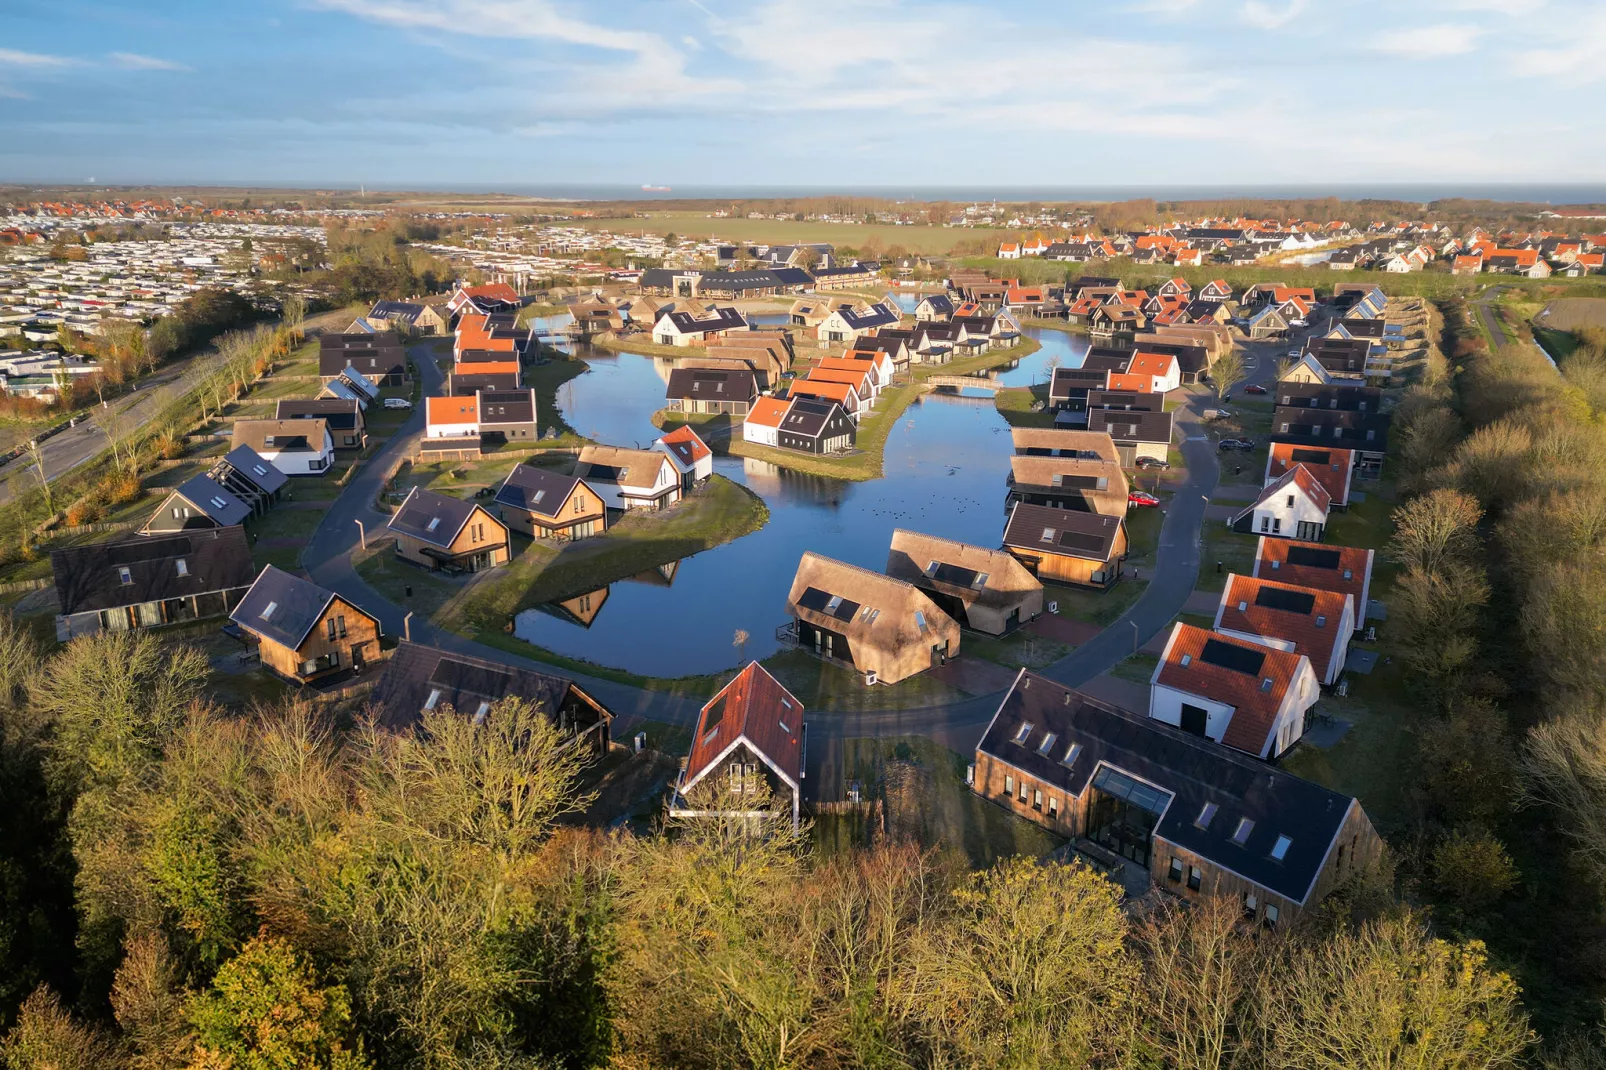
point(844, 93)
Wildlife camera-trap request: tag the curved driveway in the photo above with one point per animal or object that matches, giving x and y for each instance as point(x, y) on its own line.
point(327, 558)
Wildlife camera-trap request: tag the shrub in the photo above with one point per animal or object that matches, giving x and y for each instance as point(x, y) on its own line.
point(82, 511)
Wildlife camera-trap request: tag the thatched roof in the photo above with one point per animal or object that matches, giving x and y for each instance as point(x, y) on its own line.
point(866, 606)
point(974, 575)
point(1094, 443)
point(1101, 483)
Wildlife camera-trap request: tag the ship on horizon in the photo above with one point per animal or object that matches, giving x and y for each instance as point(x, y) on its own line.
point(655, 189)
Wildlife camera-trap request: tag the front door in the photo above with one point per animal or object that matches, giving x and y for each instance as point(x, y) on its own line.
point(1194, 719)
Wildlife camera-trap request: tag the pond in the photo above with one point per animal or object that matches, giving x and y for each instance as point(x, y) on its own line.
point(945, 465)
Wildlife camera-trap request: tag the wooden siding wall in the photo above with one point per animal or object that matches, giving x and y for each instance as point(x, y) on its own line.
point(362, 631)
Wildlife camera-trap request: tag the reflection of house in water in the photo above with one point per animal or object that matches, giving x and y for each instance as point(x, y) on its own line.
point(582, 609)
point(772, 480)
point(659, 576)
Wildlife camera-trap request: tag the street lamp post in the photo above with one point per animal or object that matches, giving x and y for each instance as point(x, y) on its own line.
point(1134, 636)
point(362, 533)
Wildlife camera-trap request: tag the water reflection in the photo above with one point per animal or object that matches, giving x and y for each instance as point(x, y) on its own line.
point(944, 467)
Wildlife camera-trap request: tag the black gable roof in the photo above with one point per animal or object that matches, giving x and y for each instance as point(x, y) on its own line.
point(434, 518)
point(281, 607)
point(808, 416)
point(539, 490)
point(1132, 426)
point(340, 413)
point(1189, 773)
point(255, 469)
point(90, 577)
point(416, 672)
point(712, 384)
point(1337, 428)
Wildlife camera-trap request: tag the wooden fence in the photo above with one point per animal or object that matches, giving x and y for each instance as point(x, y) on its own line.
point(13, 586)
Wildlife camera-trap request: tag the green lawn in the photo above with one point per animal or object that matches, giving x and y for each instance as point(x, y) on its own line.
point(1095, 607)
point(927, 800)
point(392, 577)
point(282, 523)
point(1139, 668)
point(826, 685)
point(1234, 552)
point(1376, 756)
point(1015, 406)
point(1019, 648)
point(866, 239)
point(715, 513)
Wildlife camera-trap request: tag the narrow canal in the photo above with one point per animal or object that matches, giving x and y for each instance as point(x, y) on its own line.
point(945, 465)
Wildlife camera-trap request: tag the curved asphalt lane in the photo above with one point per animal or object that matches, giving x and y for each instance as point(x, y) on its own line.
point(958, 725)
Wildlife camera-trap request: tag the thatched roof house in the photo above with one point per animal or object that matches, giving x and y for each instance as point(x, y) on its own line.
point(987, 590)
point(873, 622)
point(1069, 483)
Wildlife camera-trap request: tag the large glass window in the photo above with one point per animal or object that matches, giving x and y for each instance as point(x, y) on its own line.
point(1124, 813)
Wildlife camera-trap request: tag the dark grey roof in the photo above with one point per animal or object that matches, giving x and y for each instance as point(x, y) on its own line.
point(878, 315)
point(1190, 772)
point(1191, 359)
point(463, 385)
point(406, 311)
point(373, 359)
point(721, 318)
point(292, 604)
point(463, 682)
point(809, 416)
point(1126, 399)
point(210, 497)
point(712, 384)
point(340, 413)
point(1070, 532)
point(89, 577)
point(255, 469)
point(939, 302)
point(507, 406)
point(1339, 396)
point(1107, 359)
point(433, 518)
point(1131, 426)
point(539, 490)
point(1336, 428)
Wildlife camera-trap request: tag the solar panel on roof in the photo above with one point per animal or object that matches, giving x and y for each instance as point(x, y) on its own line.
point(1301, 602)
point(1079, 541)
point(475, 679)
point(1233, 657)
point(1313, 456)
point(1312, 557)
point(959, 577)
point(1079, 482)
point(133, 551)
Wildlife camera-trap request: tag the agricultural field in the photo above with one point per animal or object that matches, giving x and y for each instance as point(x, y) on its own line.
point(699, 225)
point(1571, 313)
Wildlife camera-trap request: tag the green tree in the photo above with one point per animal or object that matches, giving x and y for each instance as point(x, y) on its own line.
point(46, 1038)
point(1471, 870)
point(268, 1010)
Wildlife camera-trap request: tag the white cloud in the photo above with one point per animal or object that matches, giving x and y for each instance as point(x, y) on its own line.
point(692, 43)
point(1445, 39)
point(1498, 7)
point(1267, 16)
point(10, 57)
point(530, 19)
point(1573, 53)
point(135, 62)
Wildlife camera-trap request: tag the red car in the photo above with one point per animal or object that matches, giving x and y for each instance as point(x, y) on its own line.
point(1254, 388)
point(1141, 498)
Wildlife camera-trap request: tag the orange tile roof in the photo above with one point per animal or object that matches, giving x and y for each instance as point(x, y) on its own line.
point(1350, 574)
point(855, 378)
point(1333, 473)
point(1254, 704)
point(754, 707)
point(487, 367)
point(687, 445)
point(767, 412)
point(1316, 642)
point(463, 409)
point(837, 392)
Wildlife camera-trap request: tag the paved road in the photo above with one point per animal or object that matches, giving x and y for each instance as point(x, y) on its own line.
point(957, 725)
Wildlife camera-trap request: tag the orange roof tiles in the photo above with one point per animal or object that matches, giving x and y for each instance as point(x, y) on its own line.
point(463, 409)
point(1333, 473)
point(1255, 705)
point(1350, 572)
point(752, 707)
point(767, 412)
point(1317, 641)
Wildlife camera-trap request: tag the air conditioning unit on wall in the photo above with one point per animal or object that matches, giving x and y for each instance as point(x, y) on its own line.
point(869, 678)
point(1053, 607)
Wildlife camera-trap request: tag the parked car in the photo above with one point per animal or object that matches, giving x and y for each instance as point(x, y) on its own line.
point(398, 403)
point(1236, 444)
point(1154, 463)
point(1297, 323)
point(1216, 414)
point(1254, 388)
point(1142, 499)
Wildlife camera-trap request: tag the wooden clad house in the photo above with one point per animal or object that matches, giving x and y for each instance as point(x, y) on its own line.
point(546, 505)
point(749, 743)
point(303, 632)
point(1064, 546)
point(144, 581)
point(1190, 816)
point(199, 502)
point(445, 533)
point(987, 590)
point(420, 678)
point(883, 627)
point(1092, 486)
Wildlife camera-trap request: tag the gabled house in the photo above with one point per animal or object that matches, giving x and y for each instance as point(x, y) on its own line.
point(249, 477)
point(1136, 434)
point(934, 307)
point(986, 590)
point(199, 502)
point(378, 358)
point(545, 505)
point(1294, 506)
point(1058, 442)
point(679, 328)
point(844, 395)
point(882, 627)
point(808, 311)
point(1306, 620)
point(629, 479)
point(1240, 694)
point(482, 300)
point(343, 417)
point(1090, 486)
point(145, 581)
point(299, 447)
point(1334, 469)
point(1066, 546)
point(749, 743)
point(1149, 372)
point(730, 391)
point(815, 424)
point(850, 321)
point(1342, 569)
point(420, 678)
point(879, 365)
point(303, 632)
point(1216, 290)
point(689, 453)
point(1267, 322)
point(1195, 818)
point(763, 423)
point(449, 534)
point(1366, 433)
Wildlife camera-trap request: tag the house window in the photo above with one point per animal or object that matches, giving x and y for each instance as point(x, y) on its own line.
point(1280, 849)
point(434, 697)
point(1037, 800)
point(1023, 732)
point(182, 566)
point(1265, 523)
point(1289, 503)
point(1195, 878)
point(1241, 833)
point(1206, 815)
point(1009, 785)
point(1176, 870)
point(1022, 795)
point(1271, 916)
point(1054, 808)
point(579, 504)
point(337, 626)
point(1251, 905)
